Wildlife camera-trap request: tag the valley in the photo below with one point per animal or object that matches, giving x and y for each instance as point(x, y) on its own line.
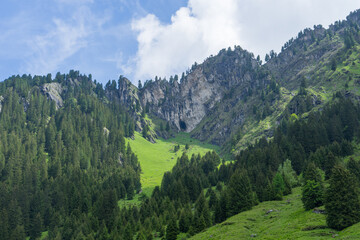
point(233, 148)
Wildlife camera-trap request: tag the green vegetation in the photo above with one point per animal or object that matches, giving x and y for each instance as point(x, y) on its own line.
point(62, 167)
point(342, 202)
point(73, 167)
point(157, 158)
point(284, 219)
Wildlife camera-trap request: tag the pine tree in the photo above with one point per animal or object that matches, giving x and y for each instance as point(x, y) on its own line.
point(18, 233)
point(185, 219)
point(213, 199)
point(278, 186)
point(312, 173)
point(202, 210)
point(312, 194)
point(240, 193)
point(172, 230)
point(221, 209)
point(130, 191)
point(36, 227)
point(313, 189)
point(354, 167)
point(342, 202)
point(288, 172)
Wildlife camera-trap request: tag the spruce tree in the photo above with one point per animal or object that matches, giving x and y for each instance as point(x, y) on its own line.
point(278, 186)
point(213, 200)
point(202, 210)
point(313, 189)
point(312, 194)
point(221, 209)
point(342, 202)
point(172, 230)
point(312, 173)
point(185, 219)
point(240, 193)
point(36, 227)
point(354, 167)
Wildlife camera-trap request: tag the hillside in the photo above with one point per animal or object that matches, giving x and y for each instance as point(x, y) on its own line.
point(233, 99)
point(285, 219)
point(157, 158)
point(79, 160)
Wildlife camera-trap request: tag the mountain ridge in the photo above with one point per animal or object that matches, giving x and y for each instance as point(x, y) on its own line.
point(200, 101)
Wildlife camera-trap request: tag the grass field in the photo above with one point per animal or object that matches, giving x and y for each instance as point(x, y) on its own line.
point(157, 158)
point(287, 220)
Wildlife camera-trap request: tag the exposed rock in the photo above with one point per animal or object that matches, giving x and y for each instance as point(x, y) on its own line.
point(319, 211)
point(106, 131)
point(53, 91)
point(186, 104)
point(127, 93)
point(1, 100)
point(269, 211)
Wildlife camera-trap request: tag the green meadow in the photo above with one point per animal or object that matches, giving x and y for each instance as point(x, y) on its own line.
point(285, 219)
point(157, 158)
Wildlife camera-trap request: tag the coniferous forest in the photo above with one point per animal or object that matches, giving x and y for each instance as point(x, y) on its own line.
point(63, 170)
point(66, 161)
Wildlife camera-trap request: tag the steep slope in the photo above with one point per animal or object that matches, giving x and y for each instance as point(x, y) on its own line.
point(314, 50)
point(232, 99)
point(186, 103)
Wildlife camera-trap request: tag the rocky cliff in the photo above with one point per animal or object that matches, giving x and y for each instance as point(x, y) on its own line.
point(185, 104)
point(225, 96)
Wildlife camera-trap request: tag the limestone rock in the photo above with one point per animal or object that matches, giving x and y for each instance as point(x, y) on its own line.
point(53, 91)
point(1, 100)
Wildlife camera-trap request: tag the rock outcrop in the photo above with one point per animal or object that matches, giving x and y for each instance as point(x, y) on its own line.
point(1, 100)
point(185, 104)
point(53, 91)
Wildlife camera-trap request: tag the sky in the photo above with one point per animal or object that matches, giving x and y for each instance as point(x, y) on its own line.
point(141, 39)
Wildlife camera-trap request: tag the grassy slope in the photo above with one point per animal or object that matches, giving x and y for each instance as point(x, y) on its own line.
point(287, 221)
point(157, 158)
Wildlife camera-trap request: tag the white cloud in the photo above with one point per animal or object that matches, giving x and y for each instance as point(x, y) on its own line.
point(196, 31)
point(63, 39)
point(206, 26)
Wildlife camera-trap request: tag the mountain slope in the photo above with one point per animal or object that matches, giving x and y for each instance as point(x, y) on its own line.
point(232, 99)
point(278, 220)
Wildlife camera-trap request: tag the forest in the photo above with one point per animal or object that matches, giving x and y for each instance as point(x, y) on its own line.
point(64, 169)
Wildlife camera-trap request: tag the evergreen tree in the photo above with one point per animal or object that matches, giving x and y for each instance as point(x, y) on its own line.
point(288, 172)
point(313, 173)
point(354, 167)
point(278, 186)
point(172, 230)
point(36, 227)
point(185, 219)
point(313, 188)
point(342, 202)
point(18, 233)
point(130, 191)
point(240, 193)
point(312, 194)
point(221, 209)
point(213, 199)
point(202, 211)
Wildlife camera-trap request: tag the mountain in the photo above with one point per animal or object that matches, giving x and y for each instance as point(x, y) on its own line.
point(219, 100)
point(68, 171)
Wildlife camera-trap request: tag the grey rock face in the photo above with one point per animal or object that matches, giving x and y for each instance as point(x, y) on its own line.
point(53, 91)
point(1, 99)
point(185, 104)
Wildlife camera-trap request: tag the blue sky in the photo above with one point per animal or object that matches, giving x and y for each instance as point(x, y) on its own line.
point(144, 38)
